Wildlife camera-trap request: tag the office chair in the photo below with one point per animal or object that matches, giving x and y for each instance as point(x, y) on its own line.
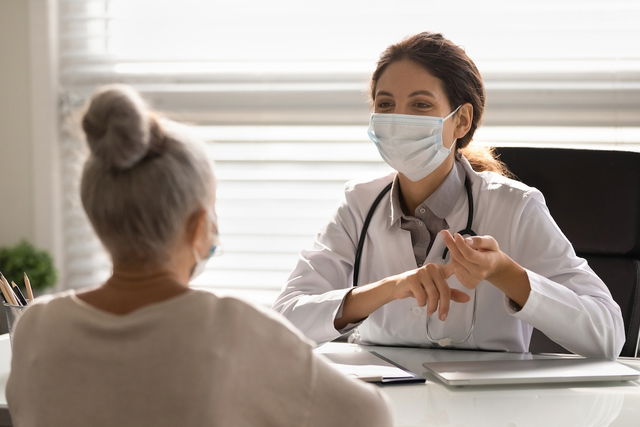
point(594, 196)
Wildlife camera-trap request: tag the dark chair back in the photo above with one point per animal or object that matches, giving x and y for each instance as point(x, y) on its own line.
point(594, 196)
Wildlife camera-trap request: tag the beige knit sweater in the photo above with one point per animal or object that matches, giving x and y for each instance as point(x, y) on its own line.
point(193, 360)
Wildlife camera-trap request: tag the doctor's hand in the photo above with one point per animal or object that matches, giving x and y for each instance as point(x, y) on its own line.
point(479, 258)
point(428, 285)
point(473, 259)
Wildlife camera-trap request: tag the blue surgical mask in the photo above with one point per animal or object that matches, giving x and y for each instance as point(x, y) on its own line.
point(410, 144)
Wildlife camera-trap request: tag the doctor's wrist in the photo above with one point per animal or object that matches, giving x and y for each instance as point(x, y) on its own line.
point(512, 279)
point(502, 268)
point(388, 289)
point(363, 300)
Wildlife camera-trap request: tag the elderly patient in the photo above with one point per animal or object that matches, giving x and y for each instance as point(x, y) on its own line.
point(143, 349)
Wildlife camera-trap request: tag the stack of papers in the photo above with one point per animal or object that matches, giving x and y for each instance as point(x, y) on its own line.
point(371, 367)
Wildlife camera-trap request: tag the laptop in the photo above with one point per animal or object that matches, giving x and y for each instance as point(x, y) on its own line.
point(551, 370)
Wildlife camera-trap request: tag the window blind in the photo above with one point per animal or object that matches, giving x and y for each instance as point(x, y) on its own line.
point(278, 89)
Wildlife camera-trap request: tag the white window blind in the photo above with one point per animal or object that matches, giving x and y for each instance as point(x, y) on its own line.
point(279, 90)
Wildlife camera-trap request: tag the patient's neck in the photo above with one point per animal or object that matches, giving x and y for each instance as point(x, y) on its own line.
point(140, 273)
point(132, 286)
point(142, 276)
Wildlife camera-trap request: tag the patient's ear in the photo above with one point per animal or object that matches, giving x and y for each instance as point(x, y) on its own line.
point(196, 229)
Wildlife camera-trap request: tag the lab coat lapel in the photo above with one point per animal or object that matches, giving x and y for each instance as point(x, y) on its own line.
point(400, 249)
point(388, 250)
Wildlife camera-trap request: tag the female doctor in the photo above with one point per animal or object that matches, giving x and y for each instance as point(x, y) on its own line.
point(448, 251)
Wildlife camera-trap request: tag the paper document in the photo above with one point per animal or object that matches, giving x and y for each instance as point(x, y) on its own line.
point(369, 366)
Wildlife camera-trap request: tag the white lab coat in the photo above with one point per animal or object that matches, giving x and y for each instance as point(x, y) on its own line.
point(568, 302)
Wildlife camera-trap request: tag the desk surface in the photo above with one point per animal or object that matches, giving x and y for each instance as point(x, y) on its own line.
point(434, 404)
point(567, 405)
point(5, 367)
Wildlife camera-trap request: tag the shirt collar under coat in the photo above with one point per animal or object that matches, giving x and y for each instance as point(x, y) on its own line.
point(442, 201)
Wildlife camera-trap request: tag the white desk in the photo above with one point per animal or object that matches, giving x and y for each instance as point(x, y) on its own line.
point(434, 404)
point(5, 367)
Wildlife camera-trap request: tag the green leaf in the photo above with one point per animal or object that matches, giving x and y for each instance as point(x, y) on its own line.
point(24, 258)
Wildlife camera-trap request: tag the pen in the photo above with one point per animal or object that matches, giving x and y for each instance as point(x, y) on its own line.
point(18, 294)
point(27, 285)
point(6, 291)
point(2, 295)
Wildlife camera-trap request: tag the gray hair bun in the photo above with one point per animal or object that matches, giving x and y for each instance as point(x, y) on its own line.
point(117, 126)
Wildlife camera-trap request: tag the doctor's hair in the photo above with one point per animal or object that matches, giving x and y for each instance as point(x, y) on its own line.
point(461, 80)
point(144, 178)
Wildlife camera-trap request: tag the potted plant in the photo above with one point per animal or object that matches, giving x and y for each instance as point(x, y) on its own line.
point(25, 258)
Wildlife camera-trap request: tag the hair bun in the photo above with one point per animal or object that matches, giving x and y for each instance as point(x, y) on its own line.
point(117, 126)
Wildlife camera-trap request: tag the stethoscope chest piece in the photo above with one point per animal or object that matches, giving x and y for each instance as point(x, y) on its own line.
point(444, 342)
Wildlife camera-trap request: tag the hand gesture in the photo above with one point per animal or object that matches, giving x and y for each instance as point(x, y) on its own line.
point(429, 287)
point(473, 259)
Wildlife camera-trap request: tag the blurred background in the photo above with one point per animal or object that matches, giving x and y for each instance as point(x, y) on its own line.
point(279, 91)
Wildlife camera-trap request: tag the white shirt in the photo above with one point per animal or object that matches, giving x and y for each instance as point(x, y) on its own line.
point(568, 302)
point(192, 360)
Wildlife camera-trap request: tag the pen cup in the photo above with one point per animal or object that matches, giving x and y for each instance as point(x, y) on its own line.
point(12, 314)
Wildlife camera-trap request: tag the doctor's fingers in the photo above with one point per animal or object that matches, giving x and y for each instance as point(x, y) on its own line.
point(437, 276)
point(428, 285)
point(484, 254)
point(482, 265)
point(432, 286)
point(452, 245)
point(418, 292)
point(463, 249)
point(482, 243)
point(467, 274)
point(459, 296)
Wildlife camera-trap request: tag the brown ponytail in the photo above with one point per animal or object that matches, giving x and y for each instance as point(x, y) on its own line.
point(461, 80)
point(483, 158)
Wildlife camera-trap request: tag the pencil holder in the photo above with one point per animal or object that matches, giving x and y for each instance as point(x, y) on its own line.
point(12, 314)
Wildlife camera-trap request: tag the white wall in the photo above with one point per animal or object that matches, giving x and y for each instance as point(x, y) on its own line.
point(30, 193)
point(16, 165)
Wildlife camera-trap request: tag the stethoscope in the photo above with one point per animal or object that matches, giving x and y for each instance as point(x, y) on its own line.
point(467, 231)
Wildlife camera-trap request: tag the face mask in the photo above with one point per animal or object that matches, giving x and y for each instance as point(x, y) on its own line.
point(412, 145)
point(201, 263)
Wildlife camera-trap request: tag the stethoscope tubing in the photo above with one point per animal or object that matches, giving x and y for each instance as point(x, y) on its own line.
point(468, 231)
